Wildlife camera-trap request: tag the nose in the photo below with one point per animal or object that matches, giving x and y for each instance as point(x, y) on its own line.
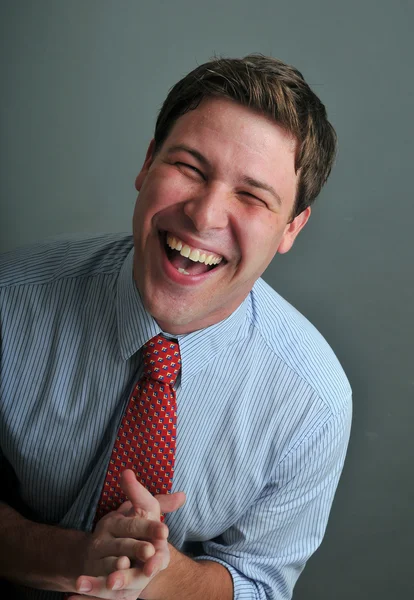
point(209, 209)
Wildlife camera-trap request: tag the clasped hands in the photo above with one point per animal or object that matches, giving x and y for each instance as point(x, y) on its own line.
point(129, 546)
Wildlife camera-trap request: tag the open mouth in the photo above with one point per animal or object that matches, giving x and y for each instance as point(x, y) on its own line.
point(188, 260)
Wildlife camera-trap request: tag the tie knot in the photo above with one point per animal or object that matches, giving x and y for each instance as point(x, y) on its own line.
point(162, 360)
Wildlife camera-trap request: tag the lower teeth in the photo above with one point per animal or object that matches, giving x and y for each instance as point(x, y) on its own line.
point(183, 271)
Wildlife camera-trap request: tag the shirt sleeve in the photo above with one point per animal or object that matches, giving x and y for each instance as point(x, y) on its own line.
point(267, 549)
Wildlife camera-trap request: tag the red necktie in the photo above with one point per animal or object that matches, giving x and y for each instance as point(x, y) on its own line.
point(146, 438)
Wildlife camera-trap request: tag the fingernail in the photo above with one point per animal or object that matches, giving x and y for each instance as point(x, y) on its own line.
point(85, 586)
point(117, 584)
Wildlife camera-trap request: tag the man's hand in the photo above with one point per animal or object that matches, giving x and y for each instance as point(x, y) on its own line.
point(130, 545)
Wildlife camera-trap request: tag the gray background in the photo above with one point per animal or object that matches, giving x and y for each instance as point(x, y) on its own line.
point(81, 83)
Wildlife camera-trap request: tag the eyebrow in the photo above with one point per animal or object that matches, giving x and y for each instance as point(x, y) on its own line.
point(263, 186)
point(260, 185)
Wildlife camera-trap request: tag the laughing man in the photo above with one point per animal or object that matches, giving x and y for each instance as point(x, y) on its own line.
point(256, 425)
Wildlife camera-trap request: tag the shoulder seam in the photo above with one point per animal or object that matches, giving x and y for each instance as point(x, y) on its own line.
point(4, 286)
point(330, 418)
point(299, 375)
point(285, 362)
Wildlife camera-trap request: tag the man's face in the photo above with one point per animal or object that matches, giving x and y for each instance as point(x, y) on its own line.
point(221, 187)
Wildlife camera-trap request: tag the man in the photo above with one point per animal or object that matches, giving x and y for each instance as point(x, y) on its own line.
point(241, 149)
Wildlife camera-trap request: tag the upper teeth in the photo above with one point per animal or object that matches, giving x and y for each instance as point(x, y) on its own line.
point(192, 253)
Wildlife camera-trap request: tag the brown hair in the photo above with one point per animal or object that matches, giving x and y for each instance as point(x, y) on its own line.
point(274, 89)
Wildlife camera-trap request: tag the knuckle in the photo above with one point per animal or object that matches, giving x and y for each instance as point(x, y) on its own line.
point(141, 513)
point(159, 530)
point(106, 522)
point(121, 547)
point(131, 527)
point(96, 545)
point(145, 550)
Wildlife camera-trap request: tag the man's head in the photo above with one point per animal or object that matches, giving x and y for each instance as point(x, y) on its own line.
point(272, 88)
point(241, 149)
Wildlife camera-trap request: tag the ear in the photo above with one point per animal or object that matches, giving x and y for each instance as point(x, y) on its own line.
point(292, 230)
point(149, 157)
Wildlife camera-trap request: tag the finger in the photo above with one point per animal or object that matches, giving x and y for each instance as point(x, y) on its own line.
point(132, 580)
point(140, 497)
point(132, 548)
point(137, 528)
point(131, 596)
point(128, 580)
point(109, 564)
point(171, 502)
point(159, 561)
point(122, 563)
point(156, 563)
point(125, 508)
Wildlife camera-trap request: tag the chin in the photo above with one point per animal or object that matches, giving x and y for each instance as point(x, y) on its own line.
point(168, 319)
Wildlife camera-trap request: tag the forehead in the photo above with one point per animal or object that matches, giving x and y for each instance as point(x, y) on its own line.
point(222, 113)
point(230, 123)
point(240, 144)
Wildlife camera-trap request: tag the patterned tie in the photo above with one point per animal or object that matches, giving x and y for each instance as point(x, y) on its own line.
point(146, 438)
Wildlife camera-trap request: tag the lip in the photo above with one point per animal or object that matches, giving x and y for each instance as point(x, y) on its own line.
point(177, 277)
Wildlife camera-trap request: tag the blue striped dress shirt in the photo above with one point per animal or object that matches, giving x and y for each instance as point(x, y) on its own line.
point(264, 411)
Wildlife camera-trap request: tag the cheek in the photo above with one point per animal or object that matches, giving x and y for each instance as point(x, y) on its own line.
point(261, 236)
point(151, 200)
point(163, 193)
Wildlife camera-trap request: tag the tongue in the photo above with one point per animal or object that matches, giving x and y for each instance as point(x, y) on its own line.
point(193, 268)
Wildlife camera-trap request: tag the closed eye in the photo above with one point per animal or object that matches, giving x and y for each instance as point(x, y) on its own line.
point(186, 166)
point(252, 198)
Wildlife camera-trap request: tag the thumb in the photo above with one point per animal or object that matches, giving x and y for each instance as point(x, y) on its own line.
point(140, 498)
point(171, 502)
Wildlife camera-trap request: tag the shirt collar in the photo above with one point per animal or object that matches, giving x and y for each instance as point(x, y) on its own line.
point(136, 326)
point(200, 347)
